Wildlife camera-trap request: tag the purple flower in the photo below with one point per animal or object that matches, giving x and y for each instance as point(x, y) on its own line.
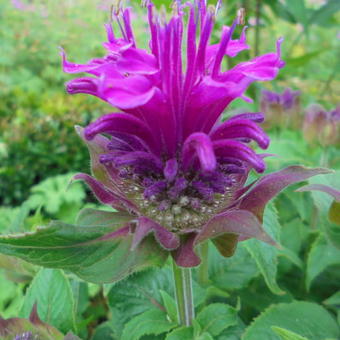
point(321, 126)
point(168, 159)
point(282, 109)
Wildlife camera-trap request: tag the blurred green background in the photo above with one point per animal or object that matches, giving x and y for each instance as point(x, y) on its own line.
point(39, 149)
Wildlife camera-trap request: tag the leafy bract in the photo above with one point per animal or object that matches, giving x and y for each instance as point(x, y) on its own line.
point(98, 250)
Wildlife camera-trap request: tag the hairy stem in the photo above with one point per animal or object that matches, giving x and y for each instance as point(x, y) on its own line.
point(183, 294)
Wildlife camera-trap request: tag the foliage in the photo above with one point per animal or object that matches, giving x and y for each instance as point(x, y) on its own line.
point(290, 292)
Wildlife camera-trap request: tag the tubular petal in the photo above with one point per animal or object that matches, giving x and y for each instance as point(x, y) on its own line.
point(201, 144)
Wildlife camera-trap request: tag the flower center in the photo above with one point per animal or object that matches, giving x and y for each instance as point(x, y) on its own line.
point(184, 201)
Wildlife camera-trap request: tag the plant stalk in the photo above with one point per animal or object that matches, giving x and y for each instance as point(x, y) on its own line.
point(202, 270)
point(183, 294)
point(257, 26)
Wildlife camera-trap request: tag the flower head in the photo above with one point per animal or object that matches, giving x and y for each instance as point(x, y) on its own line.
point(169, 160)
point(282, 109)
point(321, 126)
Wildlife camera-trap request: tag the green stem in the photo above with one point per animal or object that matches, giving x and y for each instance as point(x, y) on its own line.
point(257, 26)
point(183, 293)
point(202, 271)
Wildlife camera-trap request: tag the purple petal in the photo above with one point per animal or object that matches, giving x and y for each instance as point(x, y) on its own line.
point(178, 187)
point(170, 169)
point(321, 187)
point(270, 185)
point(121, 123)
point(241, 128)
point(145, 226)
point(201, 144)
point(232, 148)
point(136, 158)
point(127, 92)
point(256, 117)
point(86, 85)
point(137, 61)
point(155, 189)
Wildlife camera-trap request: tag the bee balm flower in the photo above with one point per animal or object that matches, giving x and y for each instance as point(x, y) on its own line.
point(169, 160)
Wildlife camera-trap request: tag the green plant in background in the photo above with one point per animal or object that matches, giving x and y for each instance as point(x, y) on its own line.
point(263, 292)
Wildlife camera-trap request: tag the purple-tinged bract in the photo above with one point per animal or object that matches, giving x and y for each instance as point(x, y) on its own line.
point(169, 160)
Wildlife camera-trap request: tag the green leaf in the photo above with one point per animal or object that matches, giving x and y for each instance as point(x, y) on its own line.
point(104, 331)
point(303, 318)
point(304, 59)
point(234, 332)
point(333, 300)
point(265, 255)
point(53, 192)
point(286, 334)
point(11, 297)
point(140, 292)
point(322, 255)
point(298, 9)
point(143, 291)
point(150, 322)
point(86, 250)
point(170, 305)
point(216, 317)
point(183, 333)
point(323, 15)
point(234, 272)
point(51, 290)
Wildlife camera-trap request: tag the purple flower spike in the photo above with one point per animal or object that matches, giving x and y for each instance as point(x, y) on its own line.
point(170, 161)
point(282, 109)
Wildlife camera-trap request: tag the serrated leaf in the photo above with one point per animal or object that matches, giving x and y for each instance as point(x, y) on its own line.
point(140, 292)
point(265, 255)
point(216, 317)
point(183, 333)
point(287, 335)
point(322, 255)
point(51, 291)
point(304, 318)
point(234, 332)
point(87, 250)
point(150, 322)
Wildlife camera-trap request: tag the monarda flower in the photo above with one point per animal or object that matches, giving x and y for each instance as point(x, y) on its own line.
point(282, 109)
point(167, 158)
point(321, 126)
